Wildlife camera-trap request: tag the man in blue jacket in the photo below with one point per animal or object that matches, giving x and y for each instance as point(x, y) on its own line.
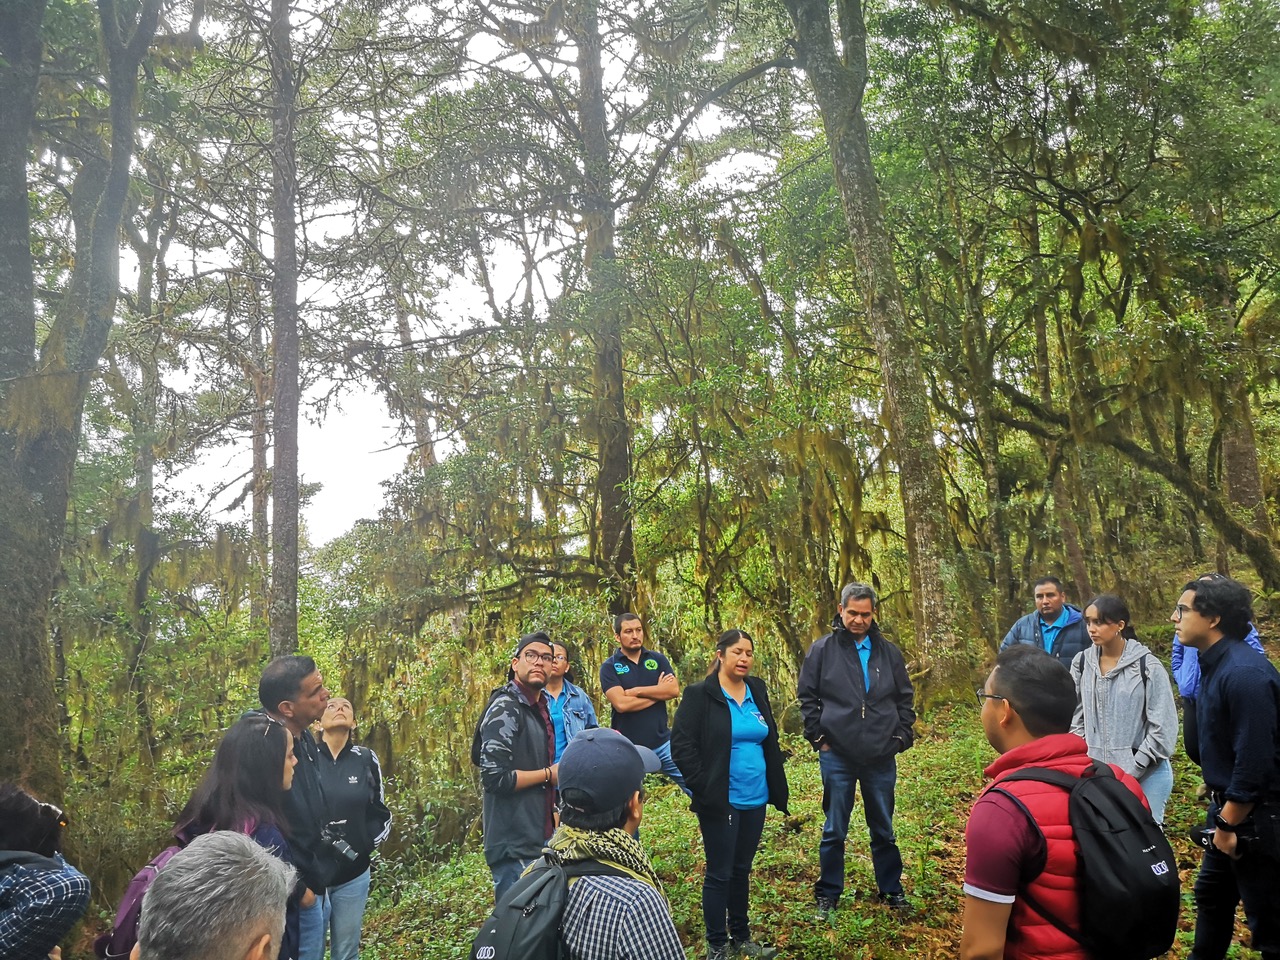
point(1054, 626)
point(856, 699)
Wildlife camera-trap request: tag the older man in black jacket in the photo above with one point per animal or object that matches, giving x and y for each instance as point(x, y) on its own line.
point(856, 699)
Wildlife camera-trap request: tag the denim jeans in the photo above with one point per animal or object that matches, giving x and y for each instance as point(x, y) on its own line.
point(669, 766)
point(311, 928)
point(505, 874)
point(878, 779)
point(730, 840)
point(1223, 883)
point(344, 914)
point(1157, 784)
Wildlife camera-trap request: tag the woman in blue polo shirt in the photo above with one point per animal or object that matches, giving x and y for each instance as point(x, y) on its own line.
point(726, 743)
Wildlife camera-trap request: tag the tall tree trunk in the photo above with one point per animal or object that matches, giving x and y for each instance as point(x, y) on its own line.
point(1044, 377)
point(284, 309)
point(424, 447)
point(604, 318)
point(838, 85)
point(1241, 475)
point(260, 425)
point(41, 402)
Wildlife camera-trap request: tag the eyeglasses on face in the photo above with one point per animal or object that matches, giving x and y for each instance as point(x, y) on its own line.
point(559, 658)
point(1179, 610)
point(983, 697)
point(532, 656)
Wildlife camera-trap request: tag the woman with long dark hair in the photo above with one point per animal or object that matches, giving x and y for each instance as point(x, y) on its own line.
point(244, 791)
point(1126, 712)
point(725, 742)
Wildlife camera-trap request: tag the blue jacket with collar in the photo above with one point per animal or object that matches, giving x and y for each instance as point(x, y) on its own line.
point(1071, 639)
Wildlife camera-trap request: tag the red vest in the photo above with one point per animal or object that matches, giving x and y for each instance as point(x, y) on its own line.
point(1031, 936)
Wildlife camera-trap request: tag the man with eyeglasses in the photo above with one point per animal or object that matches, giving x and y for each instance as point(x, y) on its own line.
point(517, 765)
point(571, 708)
point(1238, 729)
point(1020, 848)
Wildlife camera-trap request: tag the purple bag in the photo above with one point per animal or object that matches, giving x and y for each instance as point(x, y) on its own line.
point(118, 944)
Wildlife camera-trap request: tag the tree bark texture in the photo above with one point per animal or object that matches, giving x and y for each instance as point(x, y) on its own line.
point(41, 400)
point(604, 319)
point(285, 385)
point(838, 84)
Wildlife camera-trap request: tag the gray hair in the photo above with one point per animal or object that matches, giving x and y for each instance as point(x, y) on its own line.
point(213, 899)
point(858, 591)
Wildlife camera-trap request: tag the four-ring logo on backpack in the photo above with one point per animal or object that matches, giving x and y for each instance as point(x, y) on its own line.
point(1160, 869)
point(486, 953)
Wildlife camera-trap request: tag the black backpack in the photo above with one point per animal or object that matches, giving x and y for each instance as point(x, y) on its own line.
point(1129, 887)
point(525, 925)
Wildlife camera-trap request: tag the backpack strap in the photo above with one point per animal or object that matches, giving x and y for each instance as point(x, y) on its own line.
point(1142, 731)
point(1067, 782)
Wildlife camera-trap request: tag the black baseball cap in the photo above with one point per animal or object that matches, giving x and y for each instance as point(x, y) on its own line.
point(600, 769)
point(528, 638)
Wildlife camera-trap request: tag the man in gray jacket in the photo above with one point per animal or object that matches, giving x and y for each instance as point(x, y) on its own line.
point(856, 699)
point(517, 769)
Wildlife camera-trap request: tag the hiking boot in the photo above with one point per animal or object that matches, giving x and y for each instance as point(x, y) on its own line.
point(895, 901)
point(824, 907)
point(749, 948)
point(718, 951)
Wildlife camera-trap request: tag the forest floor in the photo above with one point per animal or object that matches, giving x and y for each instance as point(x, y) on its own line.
point(433, 915)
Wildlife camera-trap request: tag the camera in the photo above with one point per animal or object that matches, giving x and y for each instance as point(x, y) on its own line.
point(1203, 836)
point(333, 835)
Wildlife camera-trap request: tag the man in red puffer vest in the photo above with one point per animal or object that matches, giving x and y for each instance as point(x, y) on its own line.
point(1019, 839)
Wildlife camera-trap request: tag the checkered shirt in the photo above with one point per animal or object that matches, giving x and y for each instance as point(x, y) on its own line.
point(618, 918)
point(38, 906)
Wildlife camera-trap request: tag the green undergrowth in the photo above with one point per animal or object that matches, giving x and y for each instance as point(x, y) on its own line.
point(430, 913)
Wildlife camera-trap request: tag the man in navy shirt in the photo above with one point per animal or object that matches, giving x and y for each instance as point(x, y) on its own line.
point(1238, 725)
point(638, 682)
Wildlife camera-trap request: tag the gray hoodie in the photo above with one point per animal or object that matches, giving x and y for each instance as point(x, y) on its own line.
point(1110, 711)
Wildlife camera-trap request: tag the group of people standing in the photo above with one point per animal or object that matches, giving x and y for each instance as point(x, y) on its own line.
point(1072, 687)
point(316, 807)
point(722, 751)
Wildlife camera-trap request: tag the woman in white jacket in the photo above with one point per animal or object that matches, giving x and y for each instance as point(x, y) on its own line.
point(1126, 711)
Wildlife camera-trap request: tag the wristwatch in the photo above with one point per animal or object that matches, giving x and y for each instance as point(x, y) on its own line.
point(1223, 825)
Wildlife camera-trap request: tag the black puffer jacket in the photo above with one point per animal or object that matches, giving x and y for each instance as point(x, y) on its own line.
point(702, 739)
point(859, 724)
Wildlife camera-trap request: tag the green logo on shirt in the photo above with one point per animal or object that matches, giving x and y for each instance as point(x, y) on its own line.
point(651, 664)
